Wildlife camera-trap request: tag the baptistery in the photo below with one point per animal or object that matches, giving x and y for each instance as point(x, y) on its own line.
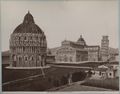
point(28, 44)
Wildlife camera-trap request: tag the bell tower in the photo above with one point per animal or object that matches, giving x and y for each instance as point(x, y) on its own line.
point(104, 48)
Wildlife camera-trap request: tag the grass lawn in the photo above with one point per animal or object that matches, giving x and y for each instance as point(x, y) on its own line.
point(107, 83)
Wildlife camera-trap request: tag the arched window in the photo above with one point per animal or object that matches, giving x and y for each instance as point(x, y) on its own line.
point(26, 58)
point(14, 58)
point(19, 58)
point(110, 74)
point(71, 59)
point(25, 38)
point(23, 49)
point(32, 58)
point(19, 38)
point(65, 58)
point(39, 58)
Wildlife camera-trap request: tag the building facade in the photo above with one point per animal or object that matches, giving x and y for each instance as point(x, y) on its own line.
point(70, 54)
point(113, 54)
point(28, 44)
point(5, 57)
point(109, 70)
point(93, 53)
point(76, 51)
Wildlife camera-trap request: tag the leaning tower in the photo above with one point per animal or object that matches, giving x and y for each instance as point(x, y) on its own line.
point(28, 44)
point(104, 48)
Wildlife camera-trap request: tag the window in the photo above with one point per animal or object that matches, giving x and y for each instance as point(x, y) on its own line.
point(65, 58)
point(100, 73)
point(70, 59)
point(14, 57)
point(26, 58)
point(23, 49)
point(19, 38)
point(25, 38)
point(110, 74)
point(94, 73)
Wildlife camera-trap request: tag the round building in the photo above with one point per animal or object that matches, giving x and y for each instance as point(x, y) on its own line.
point(28, 44)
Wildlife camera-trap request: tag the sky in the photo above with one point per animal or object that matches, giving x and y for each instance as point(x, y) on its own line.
point(64, 19)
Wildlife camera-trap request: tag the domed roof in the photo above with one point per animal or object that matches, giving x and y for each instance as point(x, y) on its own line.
point(28, 25)
point(28, 18)
point(81, 40)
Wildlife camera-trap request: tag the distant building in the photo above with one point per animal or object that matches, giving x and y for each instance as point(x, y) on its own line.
point(28, 44)
point(50, 58)
point(70, 51)
point(110, 70)
point(104, 48)
point(54, 50)
point(107, 53)
point(5, 57)
point(93, 53)
point(113, 54)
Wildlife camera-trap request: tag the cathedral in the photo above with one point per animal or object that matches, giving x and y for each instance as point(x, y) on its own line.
point(78, 51)
point(28, 45)
point(72, 51)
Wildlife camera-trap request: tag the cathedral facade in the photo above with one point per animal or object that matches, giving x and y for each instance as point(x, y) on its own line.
point(78, 51)
point(71, 52)
point(28, 44)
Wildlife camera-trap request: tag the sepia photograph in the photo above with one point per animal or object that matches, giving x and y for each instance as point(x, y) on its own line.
point(59, 46)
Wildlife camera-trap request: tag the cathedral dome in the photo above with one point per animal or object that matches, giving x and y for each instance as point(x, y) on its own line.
point(28, 25)
point(81, 41)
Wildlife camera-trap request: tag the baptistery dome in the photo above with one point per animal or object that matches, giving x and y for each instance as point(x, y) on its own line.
point(28, 44)
point(28, 25)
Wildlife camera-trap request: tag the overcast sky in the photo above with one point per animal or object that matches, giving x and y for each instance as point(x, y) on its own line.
point(64, 20)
